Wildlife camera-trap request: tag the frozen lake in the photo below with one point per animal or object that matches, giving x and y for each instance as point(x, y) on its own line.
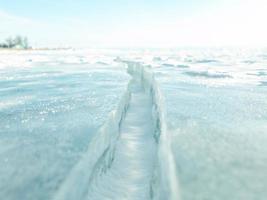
point(180, 124)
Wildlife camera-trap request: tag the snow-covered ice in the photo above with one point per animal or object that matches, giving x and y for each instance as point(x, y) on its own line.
point(133, 124)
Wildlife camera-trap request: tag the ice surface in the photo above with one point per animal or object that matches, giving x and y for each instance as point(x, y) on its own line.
point(178, 124)
point(48, 115)
point(218, 128)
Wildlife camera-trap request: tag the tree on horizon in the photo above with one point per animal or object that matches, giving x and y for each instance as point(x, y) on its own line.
point(16, 42)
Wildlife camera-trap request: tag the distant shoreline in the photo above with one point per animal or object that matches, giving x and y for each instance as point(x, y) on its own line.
point(34, 49)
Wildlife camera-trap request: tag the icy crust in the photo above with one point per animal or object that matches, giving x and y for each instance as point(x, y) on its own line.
point(209, 67)
point(12, 59)
point(47, 117)
point(218, 137)
point(100, 154)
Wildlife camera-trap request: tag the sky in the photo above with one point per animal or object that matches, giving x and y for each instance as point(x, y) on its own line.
point(135, 23)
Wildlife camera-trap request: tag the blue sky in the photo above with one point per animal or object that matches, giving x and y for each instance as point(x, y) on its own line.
point(135, 23)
